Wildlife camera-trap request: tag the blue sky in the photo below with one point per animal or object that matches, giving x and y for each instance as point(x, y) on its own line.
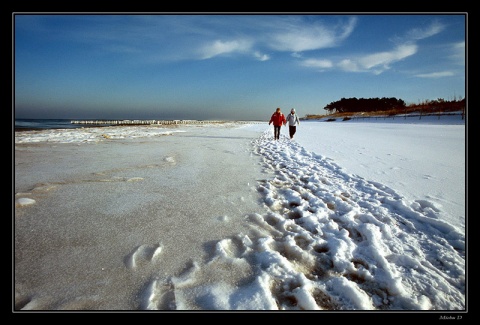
point(238, 67)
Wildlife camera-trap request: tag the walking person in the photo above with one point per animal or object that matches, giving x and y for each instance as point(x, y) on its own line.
point(277, 119)
point(293, 121)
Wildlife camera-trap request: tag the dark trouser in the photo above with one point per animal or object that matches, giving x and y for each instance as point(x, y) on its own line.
point(276, 131)
point(292, 130)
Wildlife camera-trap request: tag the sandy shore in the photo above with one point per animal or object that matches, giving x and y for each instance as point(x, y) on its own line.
point(103, 212)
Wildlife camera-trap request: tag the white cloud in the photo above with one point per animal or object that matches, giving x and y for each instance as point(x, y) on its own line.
point(219, 47)
point(378, 62)
point(317, 63)
point(298, 38)
point(348, 65)
point(261, 57)
point(306, 40)
point(440, 74)
point(458, 53)
point(421, 33)
point(375, 63)
point(384, 59)
point(283, 34)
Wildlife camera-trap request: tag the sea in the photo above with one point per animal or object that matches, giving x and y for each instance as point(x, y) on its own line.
point(39, 124)
point(64, 131)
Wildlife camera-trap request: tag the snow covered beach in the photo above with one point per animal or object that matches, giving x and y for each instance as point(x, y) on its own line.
point(225, 218)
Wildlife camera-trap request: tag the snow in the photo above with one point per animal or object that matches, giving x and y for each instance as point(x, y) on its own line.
point(360, 215)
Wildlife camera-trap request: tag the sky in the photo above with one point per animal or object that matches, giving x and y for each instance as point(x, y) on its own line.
point(230, 66)
point(223, 217)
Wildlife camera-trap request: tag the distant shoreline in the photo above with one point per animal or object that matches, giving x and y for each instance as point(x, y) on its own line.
point(82, 124)
point(366, 115)
point(27, 129)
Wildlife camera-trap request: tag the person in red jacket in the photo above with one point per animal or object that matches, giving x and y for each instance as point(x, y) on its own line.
point(277, 119)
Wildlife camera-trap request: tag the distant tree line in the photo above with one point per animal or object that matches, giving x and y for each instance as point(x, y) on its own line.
point(394, 105)
point(351, 105)
point(440, 105)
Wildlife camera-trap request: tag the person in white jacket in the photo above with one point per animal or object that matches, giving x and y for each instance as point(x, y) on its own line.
point(293, 121)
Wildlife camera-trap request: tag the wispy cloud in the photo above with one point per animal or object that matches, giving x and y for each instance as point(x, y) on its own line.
point(421, 33)
point(219, 47)
point(184, 37)
point(277, 34)
point(458, 53)
point(384, 59)
point(317, 63)
point(301, 37)
point(458, 58)
point(375, 62)
point(378, 62)
point(261, 57)
point(154, 38)
point(436, 74)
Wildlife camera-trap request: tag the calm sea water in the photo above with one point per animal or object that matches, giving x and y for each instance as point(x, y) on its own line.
point(29, 124)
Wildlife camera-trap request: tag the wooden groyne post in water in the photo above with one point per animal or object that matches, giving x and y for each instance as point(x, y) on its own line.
point(152, 122)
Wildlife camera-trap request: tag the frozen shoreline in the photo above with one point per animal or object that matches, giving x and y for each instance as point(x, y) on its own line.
point(118, 200)
point(221, 219)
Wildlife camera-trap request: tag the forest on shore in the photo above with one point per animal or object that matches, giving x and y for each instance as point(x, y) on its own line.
point(350, 107)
